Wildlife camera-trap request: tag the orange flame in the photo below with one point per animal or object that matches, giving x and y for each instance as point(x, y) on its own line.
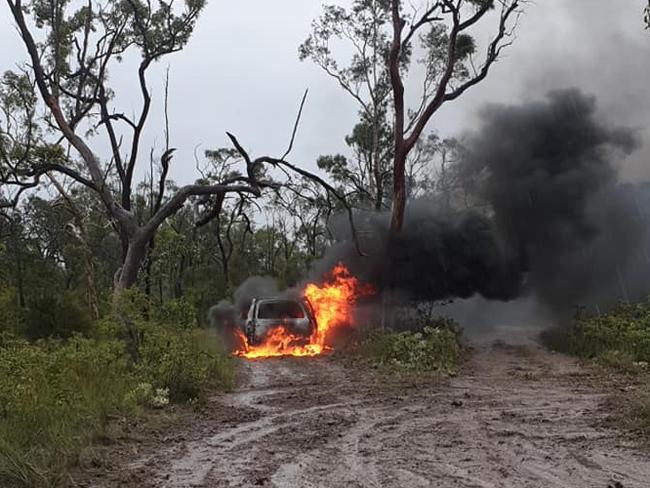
point(333, 306)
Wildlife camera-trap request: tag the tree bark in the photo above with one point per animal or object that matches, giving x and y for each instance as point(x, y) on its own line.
point(399, 158)
point(135, 254)
point(127, 277)
point(399, 192)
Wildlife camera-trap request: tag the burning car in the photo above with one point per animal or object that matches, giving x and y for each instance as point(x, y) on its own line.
point(295, 316)
point(299, 325)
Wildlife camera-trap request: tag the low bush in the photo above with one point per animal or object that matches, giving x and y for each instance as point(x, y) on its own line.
point(57, 396)
point(61, 315)
point(178, 313)
point(638, 415)
point(435, 348)
point(54, 398)
point(177, 361)
point(620, 340)
point(619, 337)
point(10, 317)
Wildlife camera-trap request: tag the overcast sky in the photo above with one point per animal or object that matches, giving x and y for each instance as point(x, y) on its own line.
point(240, 72)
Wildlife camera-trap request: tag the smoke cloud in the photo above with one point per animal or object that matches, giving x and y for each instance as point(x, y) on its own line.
point(550, 219)
point(226, 315)
point(544, 223)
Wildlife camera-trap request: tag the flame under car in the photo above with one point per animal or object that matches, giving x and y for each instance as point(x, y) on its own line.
point(267, 314)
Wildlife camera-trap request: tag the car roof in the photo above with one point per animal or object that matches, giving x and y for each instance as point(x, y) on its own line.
point(278, 299)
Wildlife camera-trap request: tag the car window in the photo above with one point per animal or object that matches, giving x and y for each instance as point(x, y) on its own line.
point(284, 309)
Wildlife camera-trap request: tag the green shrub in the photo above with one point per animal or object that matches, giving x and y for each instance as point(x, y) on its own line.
point(145, 394)
point(623, 335)
point(55, 316)
point(178, 313)
point(174, 359)
point(54, 398)
point(10, 317)
point(57, 396)
point(433, 349)
point(638, 416)
point(620, 340)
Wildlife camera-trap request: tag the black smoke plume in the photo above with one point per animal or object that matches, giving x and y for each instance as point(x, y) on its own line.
point(547, 217)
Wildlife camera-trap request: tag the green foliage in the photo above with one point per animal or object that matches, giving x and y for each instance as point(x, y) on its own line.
point(176, 361)
point(54, 398)
point(465, 46)
point(10, 316)
point(639, 413)
point(60, 315)
point(178, 313)
point(433, 349)
point(621, 336)
point(620, 340)
point(173, 354)
point(51, 315)
point(145, 394)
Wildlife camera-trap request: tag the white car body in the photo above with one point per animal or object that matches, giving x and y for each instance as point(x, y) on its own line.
point(268, 313)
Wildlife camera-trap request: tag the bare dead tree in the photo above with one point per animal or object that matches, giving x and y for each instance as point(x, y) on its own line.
point(258, 164)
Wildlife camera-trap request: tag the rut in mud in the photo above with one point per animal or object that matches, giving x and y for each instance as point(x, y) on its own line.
point(517, 416)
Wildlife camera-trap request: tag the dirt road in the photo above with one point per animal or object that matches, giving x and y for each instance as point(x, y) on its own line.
point(517, 416)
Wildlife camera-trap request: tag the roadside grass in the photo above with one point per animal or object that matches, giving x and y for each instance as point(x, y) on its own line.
point(619, 342)
point(58, 398)
point(434, 348)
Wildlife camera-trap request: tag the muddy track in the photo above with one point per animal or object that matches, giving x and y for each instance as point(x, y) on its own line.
point(518, 416)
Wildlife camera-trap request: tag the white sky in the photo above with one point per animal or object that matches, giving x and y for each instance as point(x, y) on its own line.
point(240, 72)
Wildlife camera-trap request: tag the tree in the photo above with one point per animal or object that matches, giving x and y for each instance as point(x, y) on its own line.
point(366, 79)
point(385, 144)
point(431, 170)
point(646, 16)
point(70, 68)
point(77, 228)
point(364, 178)
point(20, 139)
point(310, 211)
point(442, 28)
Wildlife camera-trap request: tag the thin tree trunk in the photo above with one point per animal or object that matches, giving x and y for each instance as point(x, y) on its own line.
point(91, 293)
point(399, 192)
point(178, 285)
point(19, 267)
point(79, 233)
point(147, 272)
point(127, 277)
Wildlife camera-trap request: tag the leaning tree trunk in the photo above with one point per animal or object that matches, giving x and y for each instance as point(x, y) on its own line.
point(135, 254)
point(125, 279)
